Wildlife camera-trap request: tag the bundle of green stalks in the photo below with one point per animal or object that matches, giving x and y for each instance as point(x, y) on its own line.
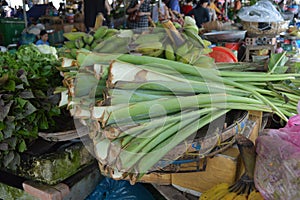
point(139, 108)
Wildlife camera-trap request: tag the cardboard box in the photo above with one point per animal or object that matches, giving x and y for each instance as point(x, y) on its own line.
point(221, 168)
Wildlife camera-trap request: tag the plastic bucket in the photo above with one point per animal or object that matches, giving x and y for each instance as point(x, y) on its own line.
point(232, 45)
point(223, 54)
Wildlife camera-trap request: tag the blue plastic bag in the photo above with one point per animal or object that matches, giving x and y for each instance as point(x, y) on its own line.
point(110, 189)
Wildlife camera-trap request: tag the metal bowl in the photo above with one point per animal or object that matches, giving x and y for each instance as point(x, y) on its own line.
point(225, 36)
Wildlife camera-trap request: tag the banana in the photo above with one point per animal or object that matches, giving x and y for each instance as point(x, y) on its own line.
point(190, 58)
point(148, 47)
point(209, 194)
point(182, 50)
point(221, 194)
point(79, 43)
point(169, 52)
point(73, 53)
point(177, 25)
point(88, 39)
point(70, 44)
point(155, 53)
point(100, 32)
point(255, 195)
point(110, 33)
point(87, 47)
point(204, 61)
point(194, 37)
point(112, 45)
point(206, 43)
point(229, 196)
point(74, 35)
point(151, 37)
point(241, 197)
point(192, 28)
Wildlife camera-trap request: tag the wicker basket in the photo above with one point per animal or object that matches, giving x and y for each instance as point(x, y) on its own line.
point(196, 151)
point(264, 28)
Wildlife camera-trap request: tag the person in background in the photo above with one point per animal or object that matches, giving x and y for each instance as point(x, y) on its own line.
point(43, 38)
point(92, 9)
point(142, 7)
point(237, 6)
point(212, 5)
point(173, 5)
point(187, 7)
point(200, 13)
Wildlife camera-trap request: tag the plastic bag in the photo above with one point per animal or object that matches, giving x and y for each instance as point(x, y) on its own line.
point(110, 189)
point(262, 11)
point(277, 169)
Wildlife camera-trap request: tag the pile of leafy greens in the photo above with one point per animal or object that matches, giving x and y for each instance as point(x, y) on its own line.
point(27, 103)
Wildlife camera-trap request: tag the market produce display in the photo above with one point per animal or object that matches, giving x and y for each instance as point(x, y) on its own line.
point(183, 44)
point(27, 103)
point(145, 106)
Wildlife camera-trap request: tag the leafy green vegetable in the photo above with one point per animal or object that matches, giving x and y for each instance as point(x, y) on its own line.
point(27, 103)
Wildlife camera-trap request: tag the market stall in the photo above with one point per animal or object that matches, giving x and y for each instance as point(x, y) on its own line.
point(114, 108)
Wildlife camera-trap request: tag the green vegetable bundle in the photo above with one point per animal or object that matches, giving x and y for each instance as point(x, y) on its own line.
point(150, 105)
point(27, 103)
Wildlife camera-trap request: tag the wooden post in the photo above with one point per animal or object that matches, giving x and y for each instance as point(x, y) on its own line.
point(24, 13)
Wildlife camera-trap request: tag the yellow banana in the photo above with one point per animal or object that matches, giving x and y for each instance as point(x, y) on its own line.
point(241, 197)
point(74, 35)
point(169, 52)
point(220, 194)
point(229, 196)
point(255, 195)
point(208, 195)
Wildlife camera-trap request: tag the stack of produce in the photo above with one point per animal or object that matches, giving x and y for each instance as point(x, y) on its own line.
point(138, 108)
point(183, 45)
point(27, 104)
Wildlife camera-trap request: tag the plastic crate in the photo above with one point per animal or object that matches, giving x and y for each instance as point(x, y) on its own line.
point(10, 30)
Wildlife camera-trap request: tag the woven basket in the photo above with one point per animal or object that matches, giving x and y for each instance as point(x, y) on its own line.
point(197, 150)
point(264, 28)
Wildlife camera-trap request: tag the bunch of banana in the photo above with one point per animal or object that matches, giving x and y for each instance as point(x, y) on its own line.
point(244, 188)
point(150, 37)
point(158, 45)
point(89, 41)
point(223, 191)
point(154, 49)
point(114, 44)
point(216, 192)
